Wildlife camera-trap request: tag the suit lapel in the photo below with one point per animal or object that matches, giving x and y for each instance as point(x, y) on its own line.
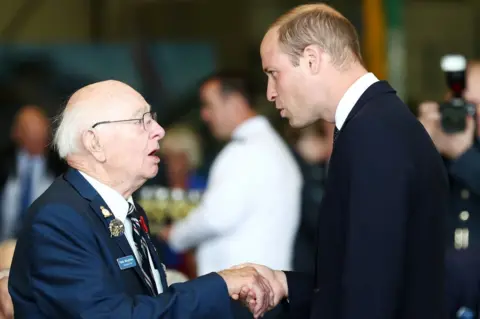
point(97, 203)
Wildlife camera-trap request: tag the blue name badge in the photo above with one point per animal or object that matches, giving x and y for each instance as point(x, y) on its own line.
point(126, 262)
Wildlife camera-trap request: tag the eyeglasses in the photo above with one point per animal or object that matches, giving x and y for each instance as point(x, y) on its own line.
point(147, 120)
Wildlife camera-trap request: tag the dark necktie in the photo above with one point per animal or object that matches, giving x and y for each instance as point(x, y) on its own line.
point(335, 134)
point(140, 240)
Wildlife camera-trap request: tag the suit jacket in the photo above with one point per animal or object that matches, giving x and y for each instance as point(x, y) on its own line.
point(65, 266)
point(380, 250)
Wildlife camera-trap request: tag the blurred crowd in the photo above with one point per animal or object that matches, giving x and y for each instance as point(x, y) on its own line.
point(264, 177)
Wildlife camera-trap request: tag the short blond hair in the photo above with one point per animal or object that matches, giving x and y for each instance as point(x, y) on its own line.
point(182, 138)
point(321, 25)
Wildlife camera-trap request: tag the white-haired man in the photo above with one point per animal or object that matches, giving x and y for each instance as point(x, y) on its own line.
point(85, 251)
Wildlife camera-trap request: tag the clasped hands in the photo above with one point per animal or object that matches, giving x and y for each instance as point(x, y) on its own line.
point(258, 287)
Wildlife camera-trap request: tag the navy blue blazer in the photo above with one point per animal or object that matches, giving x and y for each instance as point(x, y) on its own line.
point(65, 266)
point(381, 227)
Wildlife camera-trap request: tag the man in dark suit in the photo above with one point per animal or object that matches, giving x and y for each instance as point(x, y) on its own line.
point(380, 249)
point(27, 167)
point(85, 250)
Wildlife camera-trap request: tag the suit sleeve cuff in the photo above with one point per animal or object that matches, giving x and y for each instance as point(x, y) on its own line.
point(212, 295)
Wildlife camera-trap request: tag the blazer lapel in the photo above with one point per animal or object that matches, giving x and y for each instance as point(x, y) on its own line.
point(97, 203)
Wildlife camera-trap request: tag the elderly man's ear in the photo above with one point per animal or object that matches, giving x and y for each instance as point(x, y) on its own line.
point(93, 145)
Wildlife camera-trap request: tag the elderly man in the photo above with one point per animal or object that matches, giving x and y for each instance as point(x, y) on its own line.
point(380, 231)
point(85, 251)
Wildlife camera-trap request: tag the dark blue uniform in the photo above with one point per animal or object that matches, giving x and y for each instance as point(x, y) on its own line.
point(463, 282)
point(464, 212)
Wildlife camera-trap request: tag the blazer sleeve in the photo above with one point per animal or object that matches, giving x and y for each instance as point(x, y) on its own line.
point(70, 279)
point(376, 227)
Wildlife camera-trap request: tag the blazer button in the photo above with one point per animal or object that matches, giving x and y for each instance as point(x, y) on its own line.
point(464, 215)
point(465, 194)
point(316, 290)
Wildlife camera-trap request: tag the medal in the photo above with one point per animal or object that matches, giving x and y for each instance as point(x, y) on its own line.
point(116, 228)
point(105, 212)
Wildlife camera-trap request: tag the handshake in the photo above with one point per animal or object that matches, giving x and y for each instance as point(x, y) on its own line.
point(258, 287)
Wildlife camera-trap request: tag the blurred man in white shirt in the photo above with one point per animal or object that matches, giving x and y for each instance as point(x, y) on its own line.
point(251, 208)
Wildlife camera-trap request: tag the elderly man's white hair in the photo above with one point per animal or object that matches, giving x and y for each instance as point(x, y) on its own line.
point(67, 135)
point(84, 108)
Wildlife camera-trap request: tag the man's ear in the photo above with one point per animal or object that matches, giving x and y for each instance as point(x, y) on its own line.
point(91, 142)
point(312, 55)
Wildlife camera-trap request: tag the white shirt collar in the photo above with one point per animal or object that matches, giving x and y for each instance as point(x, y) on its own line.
point(351, 97)
point(112, 198)
point(250, 126)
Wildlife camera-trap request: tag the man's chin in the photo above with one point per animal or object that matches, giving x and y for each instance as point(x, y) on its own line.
point(296, 124)
point(152, 172)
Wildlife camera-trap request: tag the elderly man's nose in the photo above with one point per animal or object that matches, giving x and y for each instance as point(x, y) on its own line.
point(158, 131)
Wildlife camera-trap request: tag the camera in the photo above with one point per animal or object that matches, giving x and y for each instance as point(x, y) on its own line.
point(455, 110)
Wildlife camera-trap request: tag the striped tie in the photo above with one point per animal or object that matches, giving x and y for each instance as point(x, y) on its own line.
point(140, 241)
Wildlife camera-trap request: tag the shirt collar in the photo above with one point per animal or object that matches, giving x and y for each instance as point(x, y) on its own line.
point(351, 97)
point(249, 127)
point(114, 200)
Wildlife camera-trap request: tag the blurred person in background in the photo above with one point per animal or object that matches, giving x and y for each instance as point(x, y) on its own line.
point(312, 147)
point(250, 210)
point(181, 151)
point(27, 167)
point(461, 153)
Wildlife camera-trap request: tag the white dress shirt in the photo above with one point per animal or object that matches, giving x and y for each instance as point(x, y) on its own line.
point(351, 97)
point(41, 180)
point(119, 207)
point(251, 208)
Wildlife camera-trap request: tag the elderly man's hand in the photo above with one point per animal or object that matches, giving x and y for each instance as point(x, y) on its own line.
point(246, 283)
point(6, 306)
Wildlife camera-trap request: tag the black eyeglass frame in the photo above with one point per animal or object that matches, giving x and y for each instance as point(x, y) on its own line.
point(142, 120)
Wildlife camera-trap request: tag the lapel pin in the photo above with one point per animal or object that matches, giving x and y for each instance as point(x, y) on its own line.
point(116, 228)
point(105, 212)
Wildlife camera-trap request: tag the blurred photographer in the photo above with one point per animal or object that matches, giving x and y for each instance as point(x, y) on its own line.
point(452, 126)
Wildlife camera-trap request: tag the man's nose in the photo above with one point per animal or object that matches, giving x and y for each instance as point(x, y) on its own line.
point(271, 92)
point(158, 131)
